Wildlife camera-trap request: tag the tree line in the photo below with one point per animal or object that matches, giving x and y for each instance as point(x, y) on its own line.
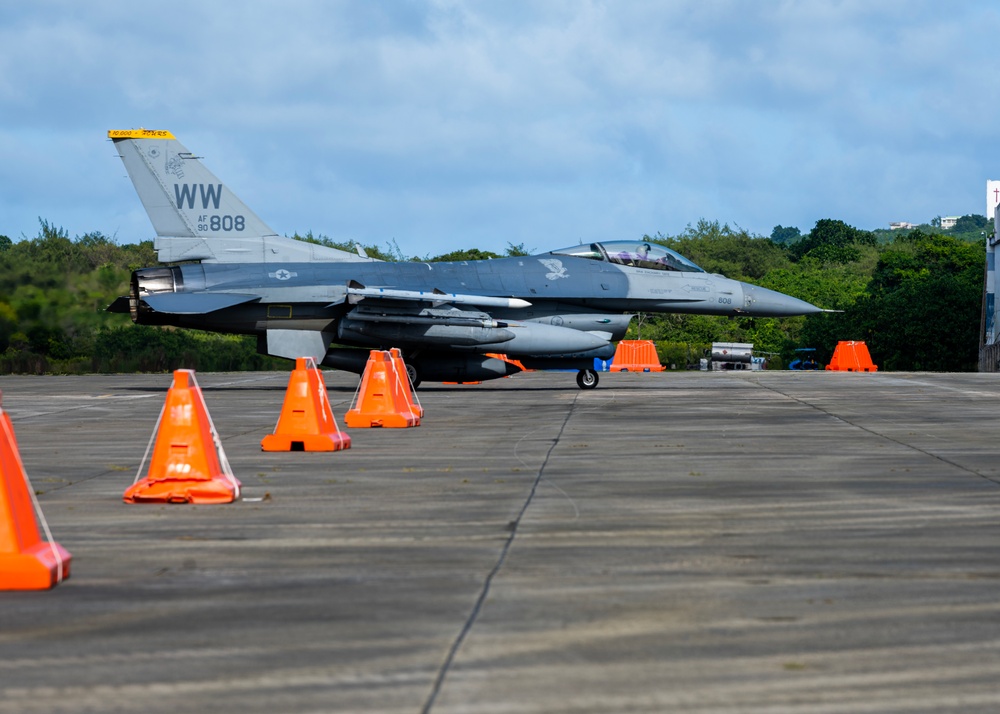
point(914, 296)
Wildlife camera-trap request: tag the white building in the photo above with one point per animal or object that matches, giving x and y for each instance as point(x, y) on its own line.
point(988, 362)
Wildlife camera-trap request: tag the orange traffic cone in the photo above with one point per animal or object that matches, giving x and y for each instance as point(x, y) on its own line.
point(380, 401)
point(306, 422)
point(851, 356)
point(404, 381)
point(26, 561)
point(188, 464)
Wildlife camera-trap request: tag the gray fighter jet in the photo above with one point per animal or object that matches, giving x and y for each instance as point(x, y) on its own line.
point(556, 310)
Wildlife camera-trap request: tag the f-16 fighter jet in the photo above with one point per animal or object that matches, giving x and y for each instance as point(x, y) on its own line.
point(556, 310)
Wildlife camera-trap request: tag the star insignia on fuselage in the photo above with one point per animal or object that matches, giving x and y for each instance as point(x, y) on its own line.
point(556, 268)
point(282, 274)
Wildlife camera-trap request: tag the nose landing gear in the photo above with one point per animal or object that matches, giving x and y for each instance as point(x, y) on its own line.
point(586, 379)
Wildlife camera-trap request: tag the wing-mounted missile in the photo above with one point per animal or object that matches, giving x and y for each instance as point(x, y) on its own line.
point(426, 316)
point(356, 292)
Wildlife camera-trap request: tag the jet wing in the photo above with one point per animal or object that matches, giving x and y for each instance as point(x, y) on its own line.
point(195, 303)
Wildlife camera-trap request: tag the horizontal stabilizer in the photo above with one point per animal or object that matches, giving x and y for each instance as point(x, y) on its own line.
point(119, 305)
point(260, 249)
point(195, 303)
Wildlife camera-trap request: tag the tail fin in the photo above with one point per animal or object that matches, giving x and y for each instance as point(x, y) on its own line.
point(195, 215)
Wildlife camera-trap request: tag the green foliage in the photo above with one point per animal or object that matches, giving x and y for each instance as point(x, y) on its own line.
point(681, 355)
point(727, 251)
point(391, 253)
point(53, 291)
point(971, 228)
point(141, 348)
point(516, 250)
point(914, 296)
point(921, 309)
point(832, 241)
point(53, 295)
point(970, 223)
point(830, 286)
point(460, 255)
point(785, 235)
point(477, 254)
point(768, 334)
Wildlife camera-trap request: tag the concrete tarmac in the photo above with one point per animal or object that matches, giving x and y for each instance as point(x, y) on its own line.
point(679, 542)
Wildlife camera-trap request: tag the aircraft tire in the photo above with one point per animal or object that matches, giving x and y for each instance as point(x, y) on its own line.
point(587, 379)
point(413, 374)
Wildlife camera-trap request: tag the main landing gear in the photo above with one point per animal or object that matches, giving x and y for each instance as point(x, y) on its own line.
point(586, 379)
point(412, 374)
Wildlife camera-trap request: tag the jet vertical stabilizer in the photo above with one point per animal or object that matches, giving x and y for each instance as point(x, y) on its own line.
point(195, 215)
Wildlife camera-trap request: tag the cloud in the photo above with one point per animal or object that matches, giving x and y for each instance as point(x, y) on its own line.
point(447, 124)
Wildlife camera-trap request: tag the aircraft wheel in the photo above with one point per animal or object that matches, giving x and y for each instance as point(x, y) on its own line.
point(586, 379)
point(412, 374)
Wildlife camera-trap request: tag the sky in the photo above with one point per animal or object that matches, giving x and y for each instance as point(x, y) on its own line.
point(439, 125)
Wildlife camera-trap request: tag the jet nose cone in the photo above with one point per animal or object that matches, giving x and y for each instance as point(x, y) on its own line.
point(761, 302)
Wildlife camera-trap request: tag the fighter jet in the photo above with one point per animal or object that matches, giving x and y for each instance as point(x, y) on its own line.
point(557, 310)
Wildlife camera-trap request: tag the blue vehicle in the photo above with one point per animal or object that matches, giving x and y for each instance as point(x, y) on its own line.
point(806, 359)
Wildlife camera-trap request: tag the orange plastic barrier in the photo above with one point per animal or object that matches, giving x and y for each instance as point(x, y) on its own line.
point(306, 422)
point(636, 356)
point(850, 356)
point(188, 464)
point(26, 561)
point(380, 400)
point(400, 366)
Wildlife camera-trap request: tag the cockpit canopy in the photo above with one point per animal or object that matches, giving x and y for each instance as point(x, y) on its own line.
point(638, 254)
